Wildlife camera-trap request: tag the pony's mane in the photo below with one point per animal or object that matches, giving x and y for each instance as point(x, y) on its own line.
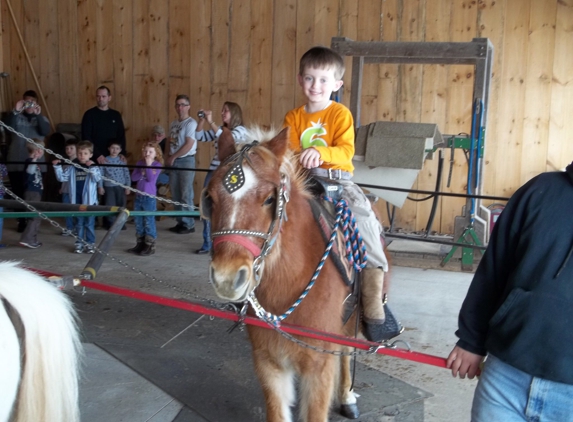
point(290, 164)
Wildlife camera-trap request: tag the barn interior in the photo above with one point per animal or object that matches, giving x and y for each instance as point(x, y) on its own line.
point(143, 361)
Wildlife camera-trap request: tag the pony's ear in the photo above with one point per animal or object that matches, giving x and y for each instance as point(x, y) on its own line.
point(279, 144)
point(226, 144)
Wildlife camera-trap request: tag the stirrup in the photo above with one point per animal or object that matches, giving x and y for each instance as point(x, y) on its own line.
point(378, 330)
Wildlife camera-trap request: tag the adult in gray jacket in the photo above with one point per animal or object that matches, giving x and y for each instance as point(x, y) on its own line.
point(27, 119)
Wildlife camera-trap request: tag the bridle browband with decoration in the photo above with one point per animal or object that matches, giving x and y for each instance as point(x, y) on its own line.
point(234, 179)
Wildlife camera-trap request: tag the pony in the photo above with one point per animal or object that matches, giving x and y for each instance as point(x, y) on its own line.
point(39, 349)
point(265, 240)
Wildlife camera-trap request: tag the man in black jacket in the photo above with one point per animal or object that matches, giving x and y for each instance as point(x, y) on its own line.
point(519, 309)
point(102, 124)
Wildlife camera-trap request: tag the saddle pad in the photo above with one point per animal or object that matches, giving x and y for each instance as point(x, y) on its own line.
point(323, 213)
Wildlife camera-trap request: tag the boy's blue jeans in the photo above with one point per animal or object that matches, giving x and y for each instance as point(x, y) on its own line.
point(69, 220)
point(85, 228)
point(145, 226)
point(181, 184)
point(505, 393)
point(207, 223)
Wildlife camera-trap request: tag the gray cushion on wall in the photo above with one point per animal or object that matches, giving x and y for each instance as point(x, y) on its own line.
point(396, 144)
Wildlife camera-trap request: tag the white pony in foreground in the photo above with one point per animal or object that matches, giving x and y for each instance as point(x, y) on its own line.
point(39, 350)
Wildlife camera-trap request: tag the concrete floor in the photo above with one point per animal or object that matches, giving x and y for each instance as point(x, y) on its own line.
point(425, 300)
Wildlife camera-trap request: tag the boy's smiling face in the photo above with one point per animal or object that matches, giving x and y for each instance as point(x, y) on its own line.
point(317, 86)
point(84, 155)
point(114, 150)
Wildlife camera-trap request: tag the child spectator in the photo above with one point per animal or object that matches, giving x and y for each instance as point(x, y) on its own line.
point(232, 117)
point(34, 187)
point(71, 152)
point(83, 190)
point(3, 174)
point(330, 155)
point(115, 195)
point(146, 178)
point(158, 137)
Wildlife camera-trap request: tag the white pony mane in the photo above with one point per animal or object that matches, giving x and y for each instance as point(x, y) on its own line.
point(259, 133)
point(49, 385)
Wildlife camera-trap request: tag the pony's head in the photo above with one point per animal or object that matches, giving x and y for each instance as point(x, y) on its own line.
point(246, 203)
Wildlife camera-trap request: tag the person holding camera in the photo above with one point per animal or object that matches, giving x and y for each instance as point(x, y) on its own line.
point(27, 119)
point(232, 117)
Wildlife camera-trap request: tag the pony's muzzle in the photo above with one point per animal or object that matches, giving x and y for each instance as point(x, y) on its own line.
point(232, 286)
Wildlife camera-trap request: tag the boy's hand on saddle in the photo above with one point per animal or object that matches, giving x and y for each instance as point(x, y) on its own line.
point(310, 158)
point(464, 363)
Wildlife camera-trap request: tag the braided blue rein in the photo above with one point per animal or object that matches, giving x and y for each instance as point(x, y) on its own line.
point(355, 253)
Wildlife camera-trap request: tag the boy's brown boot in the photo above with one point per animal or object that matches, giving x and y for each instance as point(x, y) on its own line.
point(139, 246)
point(378, 322)
point(148, 246)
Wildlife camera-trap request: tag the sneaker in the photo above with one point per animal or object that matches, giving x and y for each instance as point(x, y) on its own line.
point(31, 245)
point(66, 233)
point(202, 251)
point(79, 249)
point(89, 249)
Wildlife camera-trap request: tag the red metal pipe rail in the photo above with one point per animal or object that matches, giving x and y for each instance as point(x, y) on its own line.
point(289, 328)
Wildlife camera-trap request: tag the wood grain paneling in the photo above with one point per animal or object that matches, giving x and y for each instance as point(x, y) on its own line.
point(148, 51)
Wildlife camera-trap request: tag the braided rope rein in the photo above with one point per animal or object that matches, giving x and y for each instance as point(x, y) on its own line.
point(355, 253)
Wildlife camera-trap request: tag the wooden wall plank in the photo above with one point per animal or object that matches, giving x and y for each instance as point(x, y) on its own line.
point(67, 55)
point(17, 60)
point(369, 16)
point(259, 94)
point(141, 37)
point(434, 110)
point(349, 29)
point(122, 59)
point(30, 29)
point(87, 57)
point(560, 146)
point(179, 39)
point(510, 128)
point(241, 47)
point(220, 53)
point(105, 32)
point(459, 101)
point(304, 36)
point(541, 47)
point(48, 69)
point(200, 51)
point(491, 21)
point(326, 21)
point(284, 61)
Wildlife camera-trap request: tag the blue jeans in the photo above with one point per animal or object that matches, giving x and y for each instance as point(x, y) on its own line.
point(85, 228)
point(181, 184)
point(505, 393)
point(145, 226)
point(1, 219)
point(207, 223)
point(69, 220)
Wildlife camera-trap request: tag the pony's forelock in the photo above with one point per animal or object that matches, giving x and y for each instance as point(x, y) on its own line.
point(290, 164)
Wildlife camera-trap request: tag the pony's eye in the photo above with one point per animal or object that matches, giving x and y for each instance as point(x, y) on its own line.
point(269, 200)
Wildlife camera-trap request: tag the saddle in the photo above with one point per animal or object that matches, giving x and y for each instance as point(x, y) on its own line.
point(324, 214)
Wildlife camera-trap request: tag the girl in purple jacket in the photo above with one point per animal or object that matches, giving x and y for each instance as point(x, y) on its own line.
point(146, 178)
